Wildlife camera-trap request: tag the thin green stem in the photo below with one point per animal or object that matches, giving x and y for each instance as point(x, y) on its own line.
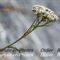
point(24, 35)
point(34, 25)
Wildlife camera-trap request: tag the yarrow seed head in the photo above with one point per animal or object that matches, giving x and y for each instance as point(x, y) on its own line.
point(44, 12)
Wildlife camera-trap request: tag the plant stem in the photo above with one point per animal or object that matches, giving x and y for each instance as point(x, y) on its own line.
point(33, 26)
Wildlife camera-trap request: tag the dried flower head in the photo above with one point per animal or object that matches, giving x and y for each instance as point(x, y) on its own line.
point(44, 12)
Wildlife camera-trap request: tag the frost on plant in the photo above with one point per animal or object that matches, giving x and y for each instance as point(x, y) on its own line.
point(44, 16)
point(45, 13)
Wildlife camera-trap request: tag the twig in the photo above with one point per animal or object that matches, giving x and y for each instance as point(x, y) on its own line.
point(42, 15)
point(24, 35)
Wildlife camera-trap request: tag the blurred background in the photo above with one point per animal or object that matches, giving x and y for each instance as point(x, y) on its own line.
point(14, 23)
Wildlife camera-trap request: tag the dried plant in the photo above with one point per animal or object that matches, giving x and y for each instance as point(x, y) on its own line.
point(44, 16)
